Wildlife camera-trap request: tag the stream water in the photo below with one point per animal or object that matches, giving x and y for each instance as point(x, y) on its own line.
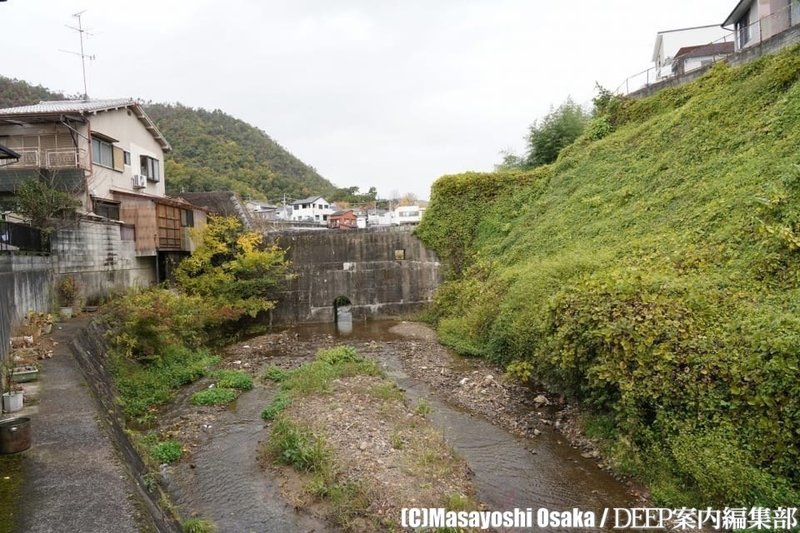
point(227, 486)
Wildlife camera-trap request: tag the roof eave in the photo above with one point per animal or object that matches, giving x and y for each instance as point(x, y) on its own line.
point(151, 127)
point(737, 12)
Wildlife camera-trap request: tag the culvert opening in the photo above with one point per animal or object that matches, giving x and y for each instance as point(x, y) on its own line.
point(342, 314)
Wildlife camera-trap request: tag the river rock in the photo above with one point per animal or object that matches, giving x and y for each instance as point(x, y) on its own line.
point(541, 400)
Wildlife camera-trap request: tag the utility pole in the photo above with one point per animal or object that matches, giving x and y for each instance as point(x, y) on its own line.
point(81, 31)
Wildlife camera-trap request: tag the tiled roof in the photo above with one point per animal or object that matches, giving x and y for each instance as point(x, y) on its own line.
point(58, 107)
point(309, 200)
point(225, 203)
point(69, 106)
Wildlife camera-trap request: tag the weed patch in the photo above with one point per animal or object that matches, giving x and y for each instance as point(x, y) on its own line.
point(214, 396)
point(233, 379)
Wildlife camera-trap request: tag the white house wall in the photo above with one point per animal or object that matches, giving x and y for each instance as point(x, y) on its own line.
point(133, 137)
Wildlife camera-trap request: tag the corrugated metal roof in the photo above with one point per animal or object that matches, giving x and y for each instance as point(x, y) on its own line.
point(69, 106)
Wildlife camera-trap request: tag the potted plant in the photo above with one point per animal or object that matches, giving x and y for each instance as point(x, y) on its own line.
point(12, 392)
point(67, 293)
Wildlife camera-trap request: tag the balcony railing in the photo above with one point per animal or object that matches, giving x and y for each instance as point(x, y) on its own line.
point(31, 158)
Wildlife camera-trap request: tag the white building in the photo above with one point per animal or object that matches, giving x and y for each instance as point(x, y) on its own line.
point(669, 42)
point(312, 209)
point(407, 214)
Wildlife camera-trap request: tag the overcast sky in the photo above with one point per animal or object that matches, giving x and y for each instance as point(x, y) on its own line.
point(369, 92)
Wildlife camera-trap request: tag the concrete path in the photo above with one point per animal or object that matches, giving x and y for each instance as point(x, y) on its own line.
point(74, 480)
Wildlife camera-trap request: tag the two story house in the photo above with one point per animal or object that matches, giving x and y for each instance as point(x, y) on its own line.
point(670, 42)
point(755, 21)
point(312, 209)
point(110, 155)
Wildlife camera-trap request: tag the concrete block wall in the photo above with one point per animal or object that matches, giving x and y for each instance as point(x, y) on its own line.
point(382, 273)
point(92, 251)
point(95, 254)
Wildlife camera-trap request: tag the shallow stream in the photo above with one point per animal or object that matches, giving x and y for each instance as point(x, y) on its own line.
point(225, 484)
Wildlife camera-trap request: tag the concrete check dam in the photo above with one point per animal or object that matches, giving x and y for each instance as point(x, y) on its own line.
point(377, 273)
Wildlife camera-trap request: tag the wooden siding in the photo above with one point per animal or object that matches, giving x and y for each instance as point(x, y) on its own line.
point(141, 212)
point(169, 227)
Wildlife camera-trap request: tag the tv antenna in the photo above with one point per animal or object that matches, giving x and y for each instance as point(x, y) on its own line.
point(81, 32)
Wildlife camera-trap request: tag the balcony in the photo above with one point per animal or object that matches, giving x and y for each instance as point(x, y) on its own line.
point(49, 159)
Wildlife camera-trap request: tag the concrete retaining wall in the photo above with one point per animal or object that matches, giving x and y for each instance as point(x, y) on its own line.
point(25, 284)
point(92, 251)
point(101, 261)
point(90, 351)
point(382, 272)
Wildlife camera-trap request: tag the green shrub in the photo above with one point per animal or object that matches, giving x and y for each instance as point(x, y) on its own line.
point(144, 322)
point(723, 473)
point(167, 451)
point(233, 379)
point(214, 396)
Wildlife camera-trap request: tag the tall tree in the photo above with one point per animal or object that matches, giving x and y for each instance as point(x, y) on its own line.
point(548, 136)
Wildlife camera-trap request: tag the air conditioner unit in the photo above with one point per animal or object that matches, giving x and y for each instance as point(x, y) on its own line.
point(139, 181)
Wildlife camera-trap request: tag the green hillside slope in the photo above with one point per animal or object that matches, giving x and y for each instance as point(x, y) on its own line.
point(214, 151)
point(652, 272)
point(17, 92)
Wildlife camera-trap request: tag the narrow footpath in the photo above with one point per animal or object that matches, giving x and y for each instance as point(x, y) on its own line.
point(73, 478)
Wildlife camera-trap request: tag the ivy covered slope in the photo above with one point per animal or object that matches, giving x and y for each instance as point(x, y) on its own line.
point(653, 272)
point(214, 151)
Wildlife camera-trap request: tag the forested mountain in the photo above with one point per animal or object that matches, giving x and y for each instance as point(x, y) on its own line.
point(17, 92)
point(212, 150)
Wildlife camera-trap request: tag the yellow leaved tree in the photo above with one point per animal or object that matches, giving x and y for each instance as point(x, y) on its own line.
point(233, 268)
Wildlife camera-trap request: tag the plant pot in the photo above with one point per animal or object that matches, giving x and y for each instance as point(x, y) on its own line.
point(12, 402)
point(15, 435)
point(65, 312)
point(23, 374)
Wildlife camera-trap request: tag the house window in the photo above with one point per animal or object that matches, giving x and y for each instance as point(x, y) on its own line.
point(149, 167)
point(187, 218)
point(126, 156)
point(106, 208)
point(102, 153)
point(297, 207)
